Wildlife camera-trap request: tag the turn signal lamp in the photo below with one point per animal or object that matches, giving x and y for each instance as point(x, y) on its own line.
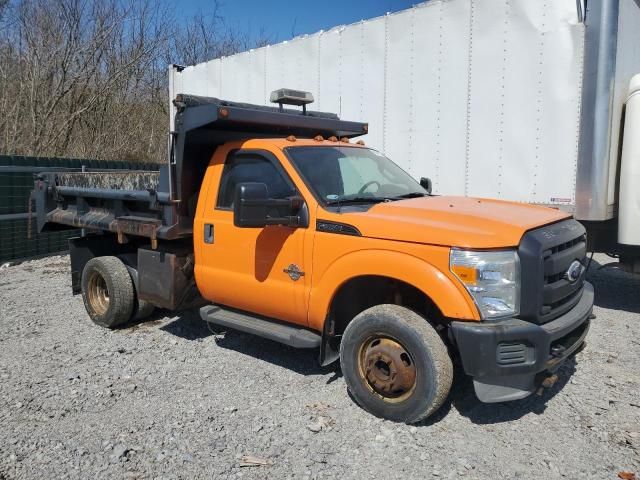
point(468, 275)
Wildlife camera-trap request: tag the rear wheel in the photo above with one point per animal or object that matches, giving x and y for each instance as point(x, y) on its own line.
point(143, 309)
point(107, 291)
point(395, 364)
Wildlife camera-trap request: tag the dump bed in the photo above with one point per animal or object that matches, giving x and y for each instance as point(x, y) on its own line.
point(125, 202)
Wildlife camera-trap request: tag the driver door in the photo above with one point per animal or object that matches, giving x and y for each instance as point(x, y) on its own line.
point(253, 269)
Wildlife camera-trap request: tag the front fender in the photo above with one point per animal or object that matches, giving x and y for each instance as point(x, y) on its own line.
point(440, 286)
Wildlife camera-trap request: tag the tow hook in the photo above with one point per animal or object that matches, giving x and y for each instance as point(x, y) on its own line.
point(558, 351)
point(548, 382)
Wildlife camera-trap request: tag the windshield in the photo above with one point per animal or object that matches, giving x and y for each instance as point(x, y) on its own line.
point(342, 174)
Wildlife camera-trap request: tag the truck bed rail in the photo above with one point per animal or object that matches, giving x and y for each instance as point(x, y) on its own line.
point(125, 203)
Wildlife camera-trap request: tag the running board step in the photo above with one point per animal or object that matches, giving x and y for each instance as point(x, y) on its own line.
point(260, 326)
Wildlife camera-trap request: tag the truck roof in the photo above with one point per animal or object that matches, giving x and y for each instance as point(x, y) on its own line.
point(299, 142)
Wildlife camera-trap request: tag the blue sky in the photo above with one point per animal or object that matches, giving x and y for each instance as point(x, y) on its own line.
point(281, 18)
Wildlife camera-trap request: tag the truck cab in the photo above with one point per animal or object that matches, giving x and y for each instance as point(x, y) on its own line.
point(287, 228)
point(313, 232)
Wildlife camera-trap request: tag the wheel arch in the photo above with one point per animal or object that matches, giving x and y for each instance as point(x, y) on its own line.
point(358, 277)
point(84, 248)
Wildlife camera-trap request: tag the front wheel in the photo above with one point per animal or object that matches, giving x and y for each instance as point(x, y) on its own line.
point(395, 364)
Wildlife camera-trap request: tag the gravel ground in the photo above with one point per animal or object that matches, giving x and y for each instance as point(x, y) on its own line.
point(169, 399)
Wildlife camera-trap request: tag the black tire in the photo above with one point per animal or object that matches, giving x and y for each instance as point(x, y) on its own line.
point(143, 309)
point(403, 387)
point(107, 291)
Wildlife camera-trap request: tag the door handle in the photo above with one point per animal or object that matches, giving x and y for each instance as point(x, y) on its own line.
point(208, 233)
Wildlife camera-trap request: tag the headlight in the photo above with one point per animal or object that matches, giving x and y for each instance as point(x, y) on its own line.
point(492, 279)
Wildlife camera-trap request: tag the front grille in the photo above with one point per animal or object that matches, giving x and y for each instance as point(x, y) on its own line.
point(546, 254)
point(560, 254)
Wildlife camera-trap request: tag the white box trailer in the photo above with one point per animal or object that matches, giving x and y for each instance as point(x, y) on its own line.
point(514, 99)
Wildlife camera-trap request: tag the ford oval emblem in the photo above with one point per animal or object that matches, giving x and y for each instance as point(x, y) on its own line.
point(574, 271)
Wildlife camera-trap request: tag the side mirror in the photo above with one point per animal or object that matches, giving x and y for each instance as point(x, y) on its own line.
point(426, 184)
point(252, 205)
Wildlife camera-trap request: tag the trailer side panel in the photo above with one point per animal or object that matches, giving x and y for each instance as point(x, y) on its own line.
point(483, 96)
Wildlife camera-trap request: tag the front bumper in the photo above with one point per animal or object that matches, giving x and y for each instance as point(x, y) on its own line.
point(505, 358)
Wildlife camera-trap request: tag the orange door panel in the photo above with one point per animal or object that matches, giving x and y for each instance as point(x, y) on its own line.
point(251, 269)
point(245, 268)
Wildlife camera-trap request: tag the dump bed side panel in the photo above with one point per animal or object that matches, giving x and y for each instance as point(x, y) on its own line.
point(123, 180)
point(483, 96)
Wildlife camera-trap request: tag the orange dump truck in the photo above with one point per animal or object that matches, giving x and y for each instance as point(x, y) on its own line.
point(275, 222)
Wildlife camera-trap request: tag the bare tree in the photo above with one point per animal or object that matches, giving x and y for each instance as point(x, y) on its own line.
point(87, 78)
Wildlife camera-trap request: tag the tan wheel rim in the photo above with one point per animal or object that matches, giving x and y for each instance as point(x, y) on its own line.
point(387, 368)
point(98, 293)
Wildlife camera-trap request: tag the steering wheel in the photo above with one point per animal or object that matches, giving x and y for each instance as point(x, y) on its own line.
point(367, 185)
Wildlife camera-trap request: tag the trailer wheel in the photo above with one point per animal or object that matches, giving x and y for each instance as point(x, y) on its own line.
point(107, 291)
point(395, 364)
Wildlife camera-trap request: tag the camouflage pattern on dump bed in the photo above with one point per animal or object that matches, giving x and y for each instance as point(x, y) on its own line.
point(121, 180)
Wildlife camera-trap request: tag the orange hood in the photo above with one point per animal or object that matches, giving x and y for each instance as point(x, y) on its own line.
point(453, 221)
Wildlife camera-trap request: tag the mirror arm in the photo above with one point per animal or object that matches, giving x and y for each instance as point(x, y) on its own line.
point(294, 202)
point(293, 221)
point(285, 202)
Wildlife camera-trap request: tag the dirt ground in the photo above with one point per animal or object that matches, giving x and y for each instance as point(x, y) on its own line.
point(168, 398)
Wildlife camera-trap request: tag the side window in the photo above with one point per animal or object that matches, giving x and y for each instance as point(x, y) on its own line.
point(251, 167)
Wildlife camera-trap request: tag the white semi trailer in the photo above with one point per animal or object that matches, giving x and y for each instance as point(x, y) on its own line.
point(522, 100)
